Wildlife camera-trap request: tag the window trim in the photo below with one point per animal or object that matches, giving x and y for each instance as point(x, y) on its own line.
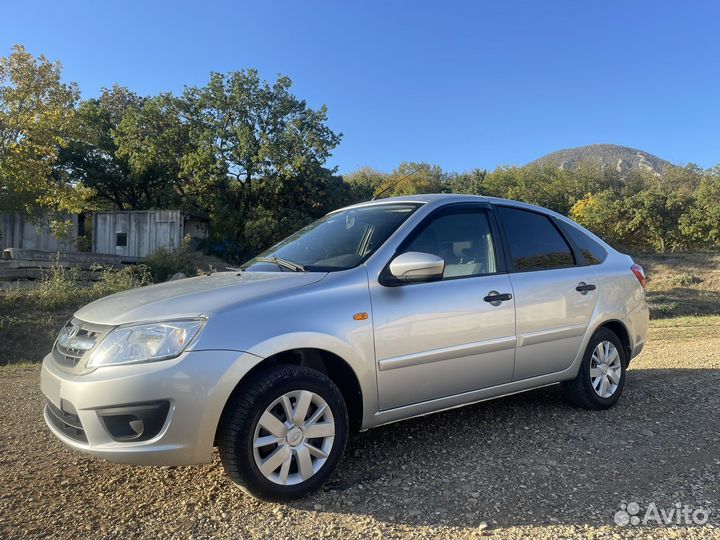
point(388, 280)
point(506, 245)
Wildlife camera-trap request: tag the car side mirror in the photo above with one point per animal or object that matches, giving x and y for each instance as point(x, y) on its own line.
point(414, 266)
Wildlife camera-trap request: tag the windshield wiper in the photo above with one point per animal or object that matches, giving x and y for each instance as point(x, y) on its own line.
point(282, 263)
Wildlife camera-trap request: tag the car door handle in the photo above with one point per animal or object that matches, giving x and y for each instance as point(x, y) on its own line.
point(585, 287)
point(495, 297)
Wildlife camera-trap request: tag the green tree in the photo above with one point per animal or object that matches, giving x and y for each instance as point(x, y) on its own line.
point(701, 222)
point(154, 140)
point(36, 119)
point(129, 150)
point(470, 183)
point(603, 214)
point(92, 158)
point(411, 179)
point(656, 210)
point(255, 158)
point(363, 183)
point(546, 186)
point(646, 212)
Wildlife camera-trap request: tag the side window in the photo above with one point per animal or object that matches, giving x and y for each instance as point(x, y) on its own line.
point(463, 238)
point(535, 243)
point(591, 251)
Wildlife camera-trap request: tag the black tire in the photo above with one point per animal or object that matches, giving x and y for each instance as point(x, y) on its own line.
point(579, 391)
point(243, 414)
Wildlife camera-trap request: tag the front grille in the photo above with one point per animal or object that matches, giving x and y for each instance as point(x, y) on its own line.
point(66, 422)
point(69, 357)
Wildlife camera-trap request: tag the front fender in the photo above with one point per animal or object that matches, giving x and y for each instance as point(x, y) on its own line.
point(364, 368)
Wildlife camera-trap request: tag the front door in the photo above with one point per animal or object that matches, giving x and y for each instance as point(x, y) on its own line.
point(443, 338)
point(554, 296)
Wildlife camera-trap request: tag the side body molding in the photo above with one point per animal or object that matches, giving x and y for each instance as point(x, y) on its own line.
point(446, 353)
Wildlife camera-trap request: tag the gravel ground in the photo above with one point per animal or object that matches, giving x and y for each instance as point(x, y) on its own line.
point(526, 466)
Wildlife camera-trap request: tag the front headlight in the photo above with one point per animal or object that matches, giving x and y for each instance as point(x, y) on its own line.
point(145, 342)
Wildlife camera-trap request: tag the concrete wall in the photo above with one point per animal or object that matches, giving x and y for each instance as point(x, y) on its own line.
point(144, 232)
point(16, 231)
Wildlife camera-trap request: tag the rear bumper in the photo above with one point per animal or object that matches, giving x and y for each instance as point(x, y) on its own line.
point(196, 386)
point(637, 322)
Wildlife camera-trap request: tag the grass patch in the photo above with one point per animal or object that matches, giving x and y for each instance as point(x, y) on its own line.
point(63, 287)
point(683, 280)
point(19, 367)
point(687, 321)
point(31, 318)
point(682, 284)
point(685, 329)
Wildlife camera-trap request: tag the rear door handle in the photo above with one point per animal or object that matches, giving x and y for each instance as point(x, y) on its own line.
point(585, 287)
point(495, 298)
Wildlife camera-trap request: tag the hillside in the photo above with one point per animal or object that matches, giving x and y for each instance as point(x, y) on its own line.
point(611, 156)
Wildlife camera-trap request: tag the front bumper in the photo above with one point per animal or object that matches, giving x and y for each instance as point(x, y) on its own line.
point(196, 385)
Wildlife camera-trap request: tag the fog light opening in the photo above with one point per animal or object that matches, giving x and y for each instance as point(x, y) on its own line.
point(135, 422)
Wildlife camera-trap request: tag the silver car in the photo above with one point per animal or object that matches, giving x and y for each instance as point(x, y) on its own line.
point(375, 313)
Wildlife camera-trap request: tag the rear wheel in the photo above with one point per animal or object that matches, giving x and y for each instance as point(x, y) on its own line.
point(284, 433)
point(601, 377)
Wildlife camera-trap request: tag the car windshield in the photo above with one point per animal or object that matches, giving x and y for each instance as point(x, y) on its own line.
point(335, 242)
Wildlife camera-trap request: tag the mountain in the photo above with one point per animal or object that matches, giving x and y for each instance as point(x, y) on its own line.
point(612, 156)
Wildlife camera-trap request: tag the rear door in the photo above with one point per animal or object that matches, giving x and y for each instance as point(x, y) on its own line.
point(443, 338)
point(555, 292)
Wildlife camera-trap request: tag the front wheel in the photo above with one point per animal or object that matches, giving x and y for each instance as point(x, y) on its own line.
point(284, 433)
point(601, 377)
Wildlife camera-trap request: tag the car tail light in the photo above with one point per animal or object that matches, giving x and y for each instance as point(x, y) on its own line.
point(639, 274)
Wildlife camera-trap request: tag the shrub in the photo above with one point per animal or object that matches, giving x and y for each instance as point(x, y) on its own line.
point(164, 263)
point(31, 318)
point(129, 277)
point(63, 287)
point(59, 288)
point(683, 280)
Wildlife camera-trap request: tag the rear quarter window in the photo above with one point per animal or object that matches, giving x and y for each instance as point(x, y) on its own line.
point(590, 250)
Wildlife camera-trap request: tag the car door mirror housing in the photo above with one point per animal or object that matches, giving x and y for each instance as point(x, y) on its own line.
point(415, 266)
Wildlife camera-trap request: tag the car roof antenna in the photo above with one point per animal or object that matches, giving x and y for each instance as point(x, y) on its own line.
point(408, 175)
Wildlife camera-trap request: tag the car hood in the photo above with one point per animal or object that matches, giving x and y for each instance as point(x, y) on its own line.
point(192, 297)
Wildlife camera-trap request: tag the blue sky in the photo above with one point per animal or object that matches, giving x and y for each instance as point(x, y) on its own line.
point(459, 84)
